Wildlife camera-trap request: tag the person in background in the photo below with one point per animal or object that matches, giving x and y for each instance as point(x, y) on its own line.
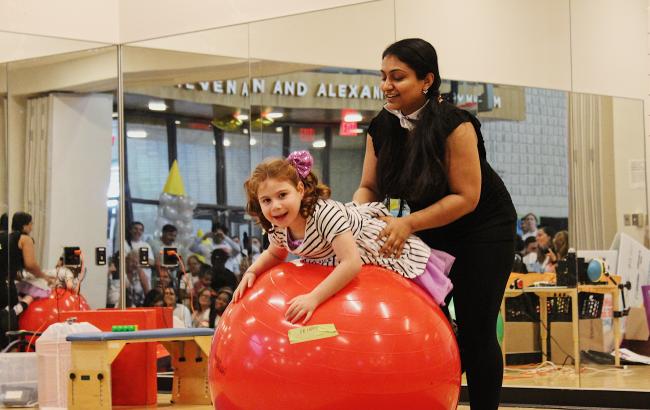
point(113, 286)
point(221, 302)
point(137, 284)
point(17, 252)
point(218, 237)
point(221, 275)
point(135, 241)
point(558, 251)
point(528, 226)
point(539, 261)
point(166, 240)
point(181, 312)
point(153, 298)
point(201, 316)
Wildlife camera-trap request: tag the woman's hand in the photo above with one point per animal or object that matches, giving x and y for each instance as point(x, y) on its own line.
point(302, 305)
point(246, 282)
point(395, 233)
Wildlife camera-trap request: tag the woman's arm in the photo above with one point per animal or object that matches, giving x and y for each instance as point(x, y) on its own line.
point(367, 191)
point(463, 168)
point(348, 268)
point(26, 244)
point(271, 257)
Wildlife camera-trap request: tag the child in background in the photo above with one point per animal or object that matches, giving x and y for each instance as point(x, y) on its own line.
point(285, 197)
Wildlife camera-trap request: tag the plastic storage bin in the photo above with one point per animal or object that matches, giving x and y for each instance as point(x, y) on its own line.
point(54, 356)
point(18, 378)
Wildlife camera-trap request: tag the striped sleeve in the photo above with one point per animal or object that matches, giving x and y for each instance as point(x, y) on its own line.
point(331, 220)
point(277, 238)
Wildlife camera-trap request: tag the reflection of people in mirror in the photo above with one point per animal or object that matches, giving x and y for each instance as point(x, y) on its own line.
point(17, 253)
point(430, 154)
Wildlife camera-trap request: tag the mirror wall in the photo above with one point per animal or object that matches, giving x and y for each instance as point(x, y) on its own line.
point(58, 135)
point(217, 102)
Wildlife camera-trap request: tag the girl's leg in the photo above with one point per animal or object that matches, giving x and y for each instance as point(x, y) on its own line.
point(479, 276)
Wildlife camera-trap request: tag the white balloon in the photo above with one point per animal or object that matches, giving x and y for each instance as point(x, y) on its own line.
point(187, 215)
point(192, 203)
point(165, 198)
point(170, 212)
point(160, 222)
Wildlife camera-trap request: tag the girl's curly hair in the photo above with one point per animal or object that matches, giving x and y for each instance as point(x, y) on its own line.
point(281, 169)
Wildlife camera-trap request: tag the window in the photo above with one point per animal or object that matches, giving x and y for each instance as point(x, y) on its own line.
point(147, 157)
point(198, 164)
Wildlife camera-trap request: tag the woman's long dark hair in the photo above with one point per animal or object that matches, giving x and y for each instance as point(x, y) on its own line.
point(20, 220)
point(413, 167)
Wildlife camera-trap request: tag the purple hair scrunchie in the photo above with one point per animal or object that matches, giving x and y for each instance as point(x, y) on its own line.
point(302, 161)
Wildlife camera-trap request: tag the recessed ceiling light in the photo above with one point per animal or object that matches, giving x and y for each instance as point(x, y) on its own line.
point(274, 115)
point(252, 141)
point(319, 144)
point(245, 130)
point(136, 134)
point(157, 105)
point(358, 130)
point(241, 117)
point(278, 129)
point(226, 142)
point(177, 122)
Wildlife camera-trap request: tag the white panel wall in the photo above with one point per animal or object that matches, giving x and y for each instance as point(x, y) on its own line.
point(351, 36)
point(95, 20)
point(80, 155)
point(518, 42)
point(15, 47)
point(609, 47)
point(628, 147)
point(145, 19)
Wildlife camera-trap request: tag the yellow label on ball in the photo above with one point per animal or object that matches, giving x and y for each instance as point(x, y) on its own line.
point(314, 332)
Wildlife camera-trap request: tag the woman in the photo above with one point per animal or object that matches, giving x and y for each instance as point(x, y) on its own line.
point(181, 312)
point(201, 316)
point(543, 259)
point(431, 155)
point(17, 253)
point(221, 302)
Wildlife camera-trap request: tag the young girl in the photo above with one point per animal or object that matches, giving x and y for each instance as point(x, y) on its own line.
point(284, 196)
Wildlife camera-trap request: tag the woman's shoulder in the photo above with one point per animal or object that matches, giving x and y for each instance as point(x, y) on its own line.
point(451, 117)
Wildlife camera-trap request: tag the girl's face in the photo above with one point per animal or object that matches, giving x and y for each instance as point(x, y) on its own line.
point(169, 297)
point(204, 299)
point(221, 303)
point(280, 202)
point(194, 265)
point(401, 86)
point(543, 239)
point(27, 229)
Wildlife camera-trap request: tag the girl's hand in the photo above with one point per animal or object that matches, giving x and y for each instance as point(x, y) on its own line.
point(395, 233)
point(301, 305)
point(246, 282)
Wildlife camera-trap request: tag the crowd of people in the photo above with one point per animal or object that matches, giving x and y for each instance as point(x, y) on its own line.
point(198, 288)
point(539, 248)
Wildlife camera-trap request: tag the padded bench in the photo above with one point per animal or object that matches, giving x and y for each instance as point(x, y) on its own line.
point(92, 353)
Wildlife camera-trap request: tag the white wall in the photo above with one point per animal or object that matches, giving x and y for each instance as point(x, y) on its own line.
point(518, 42)
point(609, 47)
point(80, 160)
point(95, 20)
point(144, 19)
point(628, 147)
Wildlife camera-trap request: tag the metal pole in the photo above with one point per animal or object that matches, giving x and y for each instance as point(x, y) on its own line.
point(121, 221)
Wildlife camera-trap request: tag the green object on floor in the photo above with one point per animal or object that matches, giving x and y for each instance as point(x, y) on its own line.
point(452, 313)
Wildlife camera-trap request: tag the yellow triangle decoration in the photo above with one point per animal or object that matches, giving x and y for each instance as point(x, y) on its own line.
point(174, 184)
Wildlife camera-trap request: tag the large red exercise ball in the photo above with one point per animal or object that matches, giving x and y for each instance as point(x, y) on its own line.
point(43, 312)
point(393, 347)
